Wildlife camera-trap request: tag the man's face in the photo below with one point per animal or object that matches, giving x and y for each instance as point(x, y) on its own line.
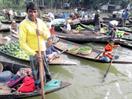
point(32, 14)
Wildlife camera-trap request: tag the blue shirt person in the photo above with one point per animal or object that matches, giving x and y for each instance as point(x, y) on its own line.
point(125, 15)
point(51, 51)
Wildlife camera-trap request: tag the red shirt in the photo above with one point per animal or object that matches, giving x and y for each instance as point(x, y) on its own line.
point(52, 31)
point(108, 47)
point(108, 51)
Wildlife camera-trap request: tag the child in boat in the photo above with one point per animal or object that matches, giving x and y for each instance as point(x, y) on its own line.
point(107, 55)
point(51, 51)
point(52, 30)
point(53, 33)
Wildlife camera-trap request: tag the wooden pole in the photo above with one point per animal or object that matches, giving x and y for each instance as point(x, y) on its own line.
point(41, 68)
point(108, 67)
point(107, 70)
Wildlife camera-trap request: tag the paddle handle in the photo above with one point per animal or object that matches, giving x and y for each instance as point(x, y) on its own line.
point(108, 67)
point(107, 71)
point(41, 65)
point(58, 54)
point(63, 51)
point(41, 69)
point(98, 55)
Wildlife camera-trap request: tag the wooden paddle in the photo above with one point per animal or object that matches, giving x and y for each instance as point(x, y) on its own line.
point(107, 70)
point(99, 55)
point(108, 67)
point(41, 67)
point(57, 55)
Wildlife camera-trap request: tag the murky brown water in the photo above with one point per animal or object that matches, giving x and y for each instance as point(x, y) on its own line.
point(86, 78)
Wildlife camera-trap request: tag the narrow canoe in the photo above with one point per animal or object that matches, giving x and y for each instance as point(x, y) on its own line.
point(16, 95)
point(84, 37)
point(9, 22)
point(53, 87)
point(10, 58)
point(125, 43)
point(5, 29)
point(57, 61)
point(63, 44)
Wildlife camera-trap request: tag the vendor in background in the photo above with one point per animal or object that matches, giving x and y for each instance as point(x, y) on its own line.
point(125, 16)
point(9, 14)
point(14, 27)
point(50, 16)
point(97, 22)
point(67, 26)
point(112, 28)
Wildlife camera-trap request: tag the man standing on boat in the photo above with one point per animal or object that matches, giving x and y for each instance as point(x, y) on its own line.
point(112, 28)
point(125, 16)
point(97, 21)
point(29, 29)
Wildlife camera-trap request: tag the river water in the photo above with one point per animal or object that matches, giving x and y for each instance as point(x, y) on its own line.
point(86, 79)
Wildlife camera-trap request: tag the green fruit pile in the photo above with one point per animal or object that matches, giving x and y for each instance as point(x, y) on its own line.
point(85, 50)
point(14, 50)
point(79, 28)
point(91, 27)
point(81, 50)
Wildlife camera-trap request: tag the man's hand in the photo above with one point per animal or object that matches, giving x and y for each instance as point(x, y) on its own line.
point(39, 57)
point(53, 56)
point(39, 32)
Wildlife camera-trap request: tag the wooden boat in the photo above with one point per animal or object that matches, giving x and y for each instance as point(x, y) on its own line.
point(106, 19)
point(19, 17)
point(88, 22)
point(87, 36)
point(3, 40)
point(130, 19)
point(127, 37)
point(23, 58)
point(92, 55)
point(124, 43)
point(4, 29)
point(126, 29)
point(9, 22)
point(5, 21)
point(83, 37)
point(6, 92)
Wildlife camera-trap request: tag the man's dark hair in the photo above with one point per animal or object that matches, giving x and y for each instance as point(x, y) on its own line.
point(31, 5)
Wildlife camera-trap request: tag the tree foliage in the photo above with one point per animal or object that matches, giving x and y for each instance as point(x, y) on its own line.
point(59, 3)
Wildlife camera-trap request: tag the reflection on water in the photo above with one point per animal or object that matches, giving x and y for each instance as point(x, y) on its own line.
point(86, 78)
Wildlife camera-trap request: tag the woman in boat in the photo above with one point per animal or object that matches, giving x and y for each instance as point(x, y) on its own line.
point(29, 29)
point(107, 55)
